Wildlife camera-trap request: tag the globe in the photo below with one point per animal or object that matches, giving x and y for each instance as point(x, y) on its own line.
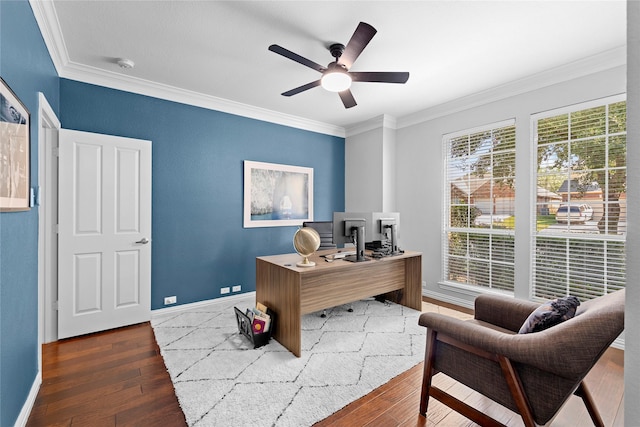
point(306, 241)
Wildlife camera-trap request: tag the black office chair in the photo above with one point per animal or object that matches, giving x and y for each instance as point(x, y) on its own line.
point(325, 230)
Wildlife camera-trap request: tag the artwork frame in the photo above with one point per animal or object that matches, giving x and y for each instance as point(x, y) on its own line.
point(277, 195)
point(15, 156)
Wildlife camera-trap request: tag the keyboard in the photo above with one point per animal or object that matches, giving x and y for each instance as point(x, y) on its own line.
point(340, 255)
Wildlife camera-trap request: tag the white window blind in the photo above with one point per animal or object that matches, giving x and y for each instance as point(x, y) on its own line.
point(580, 207)
point(479, 206)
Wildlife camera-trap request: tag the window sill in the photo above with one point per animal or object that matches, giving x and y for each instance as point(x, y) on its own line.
point(471, 290)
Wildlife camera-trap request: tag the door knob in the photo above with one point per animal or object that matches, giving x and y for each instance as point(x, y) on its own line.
point(143, 241)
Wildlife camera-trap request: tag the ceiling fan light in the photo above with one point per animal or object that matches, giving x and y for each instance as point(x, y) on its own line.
point(336, 81)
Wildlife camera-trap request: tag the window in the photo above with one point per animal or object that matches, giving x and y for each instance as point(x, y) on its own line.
point(580, 207)
point(479, 206)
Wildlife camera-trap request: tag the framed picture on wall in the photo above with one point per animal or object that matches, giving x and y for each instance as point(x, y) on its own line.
point(14, 152)
point(277, 195)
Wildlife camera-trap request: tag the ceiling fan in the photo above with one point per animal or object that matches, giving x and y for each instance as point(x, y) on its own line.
point(336, 76)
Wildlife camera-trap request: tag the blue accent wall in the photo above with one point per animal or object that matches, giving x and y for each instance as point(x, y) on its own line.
point(199, 244)
point(27, 68)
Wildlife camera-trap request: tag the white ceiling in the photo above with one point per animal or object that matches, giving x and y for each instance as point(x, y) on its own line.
point(214, 53)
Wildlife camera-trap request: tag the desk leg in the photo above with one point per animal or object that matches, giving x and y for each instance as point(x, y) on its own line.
point(279, 289)
point(412, 296)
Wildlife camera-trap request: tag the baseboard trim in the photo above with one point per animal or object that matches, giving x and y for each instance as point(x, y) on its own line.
point(618, 343)
point(23, 417)
point(452, 306)
point(189, 306)
point(444, 298)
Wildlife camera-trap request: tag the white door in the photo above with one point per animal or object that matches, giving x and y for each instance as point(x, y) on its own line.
point(104, 250)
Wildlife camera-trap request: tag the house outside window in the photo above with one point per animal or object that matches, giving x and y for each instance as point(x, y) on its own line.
point(479, 207)
point(579, 234)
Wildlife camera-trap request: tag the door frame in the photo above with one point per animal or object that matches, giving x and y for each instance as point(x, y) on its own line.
point(46, 199)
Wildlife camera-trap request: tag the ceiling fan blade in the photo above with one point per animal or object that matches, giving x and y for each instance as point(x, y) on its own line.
point(359, 40)
point(380, 76)
point(295, 57)
point(302, 88)
point(347, 98)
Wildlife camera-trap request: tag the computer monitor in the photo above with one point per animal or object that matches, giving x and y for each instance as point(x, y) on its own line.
point(384, 230)
point(381, 230)
point(350, 227)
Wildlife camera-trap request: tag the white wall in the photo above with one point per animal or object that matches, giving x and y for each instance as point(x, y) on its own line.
point(419, 170)
point(370, 166)
point(364, 171)
point(632, 303)
point(388, 170)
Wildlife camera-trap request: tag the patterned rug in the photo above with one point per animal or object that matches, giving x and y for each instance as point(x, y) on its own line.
point(220, 380)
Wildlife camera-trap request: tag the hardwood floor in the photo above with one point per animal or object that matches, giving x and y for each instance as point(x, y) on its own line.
point(396, 403)
point(118, 378)
point(112, 378)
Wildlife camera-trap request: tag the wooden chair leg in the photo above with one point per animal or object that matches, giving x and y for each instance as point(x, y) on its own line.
point(462, 408)
point(517, 391)
point(584, 393)
point(430, 354)
point(429, 390)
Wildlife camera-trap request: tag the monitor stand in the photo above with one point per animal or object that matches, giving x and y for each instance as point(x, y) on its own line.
point(358, 233)
point(394, 240)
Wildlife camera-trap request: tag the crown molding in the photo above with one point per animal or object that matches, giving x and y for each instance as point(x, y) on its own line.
point(100, 77)
point(383, 121)
point(47, 20)
point(49, 25)
point(601, 62)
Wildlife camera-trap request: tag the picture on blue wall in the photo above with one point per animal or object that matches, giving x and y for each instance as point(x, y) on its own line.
point(277, 195)
point(14, 151)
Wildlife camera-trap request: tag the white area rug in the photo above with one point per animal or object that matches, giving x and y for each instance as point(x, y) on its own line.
point(220, 380)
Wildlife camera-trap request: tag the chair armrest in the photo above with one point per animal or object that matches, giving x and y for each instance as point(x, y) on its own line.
point(468, 332)
point(507, 313)
point(560, 350)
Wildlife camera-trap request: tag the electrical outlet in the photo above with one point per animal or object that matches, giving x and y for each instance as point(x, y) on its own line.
point(236, 288)
point(170, 300)
point(225, 290)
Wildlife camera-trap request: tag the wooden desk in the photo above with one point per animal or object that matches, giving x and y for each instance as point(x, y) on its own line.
point(292, 291)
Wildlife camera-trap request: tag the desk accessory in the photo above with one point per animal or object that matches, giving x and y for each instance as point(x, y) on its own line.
point(306, 241)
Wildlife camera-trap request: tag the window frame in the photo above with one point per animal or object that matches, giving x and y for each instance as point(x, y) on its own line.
point(570, 238)
point(468, 288)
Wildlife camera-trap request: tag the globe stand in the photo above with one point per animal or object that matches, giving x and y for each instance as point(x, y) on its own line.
point(305, 263)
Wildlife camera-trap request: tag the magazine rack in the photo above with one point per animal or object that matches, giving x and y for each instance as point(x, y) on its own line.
point(244, 327)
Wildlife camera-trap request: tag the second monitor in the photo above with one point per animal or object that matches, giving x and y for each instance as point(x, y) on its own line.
point(375, 230)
